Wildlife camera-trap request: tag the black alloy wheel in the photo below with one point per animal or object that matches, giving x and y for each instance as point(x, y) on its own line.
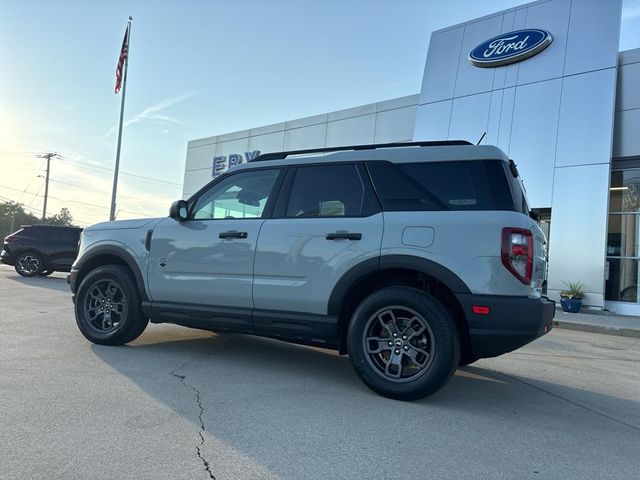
point(399, 343)
point(108, 308)
point(403, 343)
point(105, 305)
point(28, 264)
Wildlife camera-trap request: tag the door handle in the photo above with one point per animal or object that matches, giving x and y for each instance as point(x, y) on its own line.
point(232, 234)
point(344, 236)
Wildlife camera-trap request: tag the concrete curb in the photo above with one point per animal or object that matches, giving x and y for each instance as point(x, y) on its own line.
point(592, 328)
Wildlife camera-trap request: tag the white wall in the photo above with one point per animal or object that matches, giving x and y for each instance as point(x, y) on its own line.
point(627, 118)
point(552, 113)
point(383, 122)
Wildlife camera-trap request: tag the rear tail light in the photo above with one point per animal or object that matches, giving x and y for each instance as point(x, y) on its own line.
point(10, 239)
point(517, 253)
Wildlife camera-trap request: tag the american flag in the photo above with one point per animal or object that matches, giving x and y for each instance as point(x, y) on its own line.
point(124, 53)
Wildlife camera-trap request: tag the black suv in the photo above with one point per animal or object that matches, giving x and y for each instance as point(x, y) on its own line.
point(39, 250)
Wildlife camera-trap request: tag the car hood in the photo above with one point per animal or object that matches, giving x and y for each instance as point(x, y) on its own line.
point(124, 224)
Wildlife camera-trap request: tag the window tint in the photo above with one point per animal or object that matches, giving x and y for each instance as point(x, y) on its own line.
point(431, 186)
point(241, 195)
point(328, 191)
point(57, 234)
point(498, 177)
point(518, 192)
point(35, 231)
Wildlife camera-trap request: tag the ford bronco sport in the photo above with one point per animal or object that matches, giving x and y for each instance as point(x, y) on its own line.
point(411, 258)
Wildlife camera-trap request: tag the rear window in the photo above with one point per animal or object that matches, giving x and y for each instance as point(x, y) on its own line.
point(431, 186)
point(518, 194)
point(32, 231)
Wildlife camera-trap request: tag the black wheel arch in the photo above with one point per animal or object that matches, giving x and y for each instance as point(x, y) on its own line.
point(108, 255)
point(395, 270)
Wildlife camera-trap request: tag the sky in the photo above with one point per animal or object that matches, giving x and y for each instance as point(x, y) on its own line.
point(197, 68)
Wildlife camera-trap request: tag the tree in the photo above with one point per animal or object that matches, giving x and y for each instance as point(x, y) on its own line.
point(13, 215)
point(63, 218)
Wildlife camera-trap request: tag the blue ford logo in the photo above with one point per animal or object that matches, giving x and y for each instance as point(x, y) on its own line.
point(510, 47)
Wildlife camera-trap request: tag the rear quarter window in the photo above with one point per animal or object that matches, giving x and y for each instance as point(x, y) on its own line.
point(458, 185)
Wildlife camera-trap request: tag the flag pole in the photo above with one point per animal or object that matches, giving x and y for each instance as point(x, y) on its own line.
point(112, 215)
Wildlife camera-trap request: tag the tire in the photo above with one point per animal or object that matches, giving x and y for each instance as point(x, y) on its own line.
point(419, 360)
point(107, 307)
point(46, 273)
point(29, 264)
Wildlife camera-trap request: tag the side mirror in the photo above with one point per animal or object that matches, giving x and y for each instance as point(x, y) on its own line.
point(179, 210)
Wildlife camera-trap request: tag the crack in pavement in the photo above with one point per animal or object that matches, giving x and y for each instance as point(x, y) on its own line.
point(182, 378)
point(205, 462)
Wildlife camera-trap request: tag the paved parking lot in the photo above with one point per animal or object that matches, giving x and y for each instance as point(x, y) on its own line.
point(186, 404)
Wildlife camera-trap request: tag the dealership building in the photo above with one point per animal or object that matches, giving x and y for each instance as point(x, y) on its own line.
point(546, 83)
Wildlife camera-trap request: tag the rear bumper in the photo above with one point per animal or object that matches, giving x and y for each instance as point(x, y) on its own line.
point(6, 258)
point(511, 323)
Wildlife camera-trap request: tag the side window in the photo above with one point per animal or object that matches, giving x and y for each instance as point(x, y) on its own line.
point(240, 195)
point(456, 185)
point(72, 235)
point(55, 234)
point(328, 191)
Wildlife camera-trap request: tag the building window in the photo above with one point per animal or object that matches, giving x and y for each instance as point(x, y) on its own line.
point(623, 236)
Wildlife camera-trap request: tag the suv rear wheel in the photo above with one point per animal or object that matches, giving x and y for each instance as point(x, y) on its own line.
point(403, 343)
point(108, 307)
point(29, 264)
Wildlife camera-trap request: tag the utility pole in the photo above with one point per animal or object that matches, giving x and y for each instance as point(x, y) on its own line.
point(48, 156)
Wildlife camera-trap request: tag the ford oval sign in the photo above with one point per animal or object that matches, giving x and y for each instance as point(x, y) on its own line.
point(510, 47)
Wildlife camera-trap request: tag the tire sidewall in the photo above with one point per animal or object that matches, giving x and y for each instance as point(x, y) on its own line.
point(132, 318)
point(445, 335)
point(41, 266)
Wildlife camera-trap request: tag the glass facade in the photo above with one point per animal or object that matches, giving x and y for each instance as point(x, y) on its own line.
point(623, 236)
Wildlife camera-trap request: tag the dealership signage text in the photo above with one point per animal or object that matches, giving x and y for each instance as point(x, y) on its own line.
point(222, 163)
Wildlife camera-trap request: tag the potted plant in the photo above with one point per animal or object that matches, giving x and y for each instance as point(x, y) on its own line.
point(571, 298)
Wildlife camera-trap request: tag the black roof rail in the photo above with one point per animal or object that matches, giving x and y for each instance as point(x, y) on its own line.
point(282, 155)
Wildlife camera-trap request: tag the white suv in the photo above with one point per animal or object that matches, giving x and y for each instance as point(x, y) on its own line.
point(412, 258)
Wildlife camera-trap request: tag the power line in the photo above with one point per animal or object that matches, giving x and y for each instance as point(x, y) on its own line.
point(76, 163)
point(36, 195)
point(14, 189)
point(132, 175)
point(30, 208)
point(74, 184)
point(23, 206)
point(29, 184)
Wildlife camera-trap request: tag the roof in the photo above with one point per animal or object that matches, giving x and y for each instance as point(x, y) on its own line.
point(408, 154)
point(40, 225)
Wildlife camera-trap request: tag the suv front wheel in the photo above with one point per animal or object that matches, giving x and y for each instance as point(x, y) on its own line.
point(108, 307)
point(403, 343)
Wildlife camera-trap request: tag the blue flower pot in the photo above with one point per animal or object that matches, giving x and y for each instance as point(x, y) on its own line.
point(571, 305)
